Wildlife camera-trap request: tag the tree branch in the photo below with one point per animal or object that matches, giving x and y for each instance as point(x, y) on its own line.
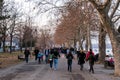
point(117, 19)
point(114, 10)
point(94, 3)
point(107, 6)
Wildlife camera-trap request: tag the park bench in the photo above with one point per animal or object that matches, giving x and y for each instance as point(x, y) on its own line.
point(21, 57)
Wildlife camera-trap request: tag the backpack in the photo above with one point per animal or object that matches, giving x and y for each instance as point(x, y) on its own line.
point(91, 57)
point(39, 55)
point(50, 56)
point(70, 58)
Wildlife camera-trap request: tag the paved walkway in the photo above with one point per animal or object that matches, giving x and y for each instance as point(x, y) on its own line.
point(103, 74)
point(35, 71)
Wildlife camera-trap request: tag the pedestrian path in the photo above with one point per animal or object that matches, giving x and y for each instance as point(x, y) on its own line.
point(102, 73)
point(35, 71)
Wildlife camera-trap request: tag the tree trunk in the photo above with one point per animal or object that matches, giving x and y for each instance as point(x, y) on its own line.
point(1, 6)
point(114, 37)
point(21, 46)
point(86, 44)
point(11, 43)
point(20, 43)
point(88, 39)
point(0, 43)
point(102, 44)
point(80, 45)
point(119, 29)
point(116, 51)
point(113, 34)
point(4, 39)
point(31, 41)
point(75, 45)
point(80, 39)
point(25, 44)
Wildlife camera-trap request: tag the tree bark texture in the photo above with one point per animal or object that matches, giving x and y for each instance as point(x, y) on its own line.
point(115, 39)
point(11, 37)
point(113, 34)
point(102, 44)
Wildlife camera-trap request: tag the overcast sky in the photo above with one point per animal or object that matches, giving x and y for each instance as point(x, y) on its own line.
point(29, 8)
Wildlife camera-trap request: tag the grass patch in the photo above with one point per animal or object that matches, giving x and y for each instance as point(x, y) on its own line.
point(8, 59)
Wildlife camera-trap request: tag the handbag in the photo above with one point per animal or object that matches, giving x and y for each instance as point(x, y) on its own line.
point(50, 59)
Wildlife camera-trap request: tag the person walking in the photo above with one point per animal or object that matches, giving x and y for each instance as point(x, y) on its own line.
point(69, 61)
point(90, 57)
point(26, 53)
point(56, 55)
point(81, 59)
point(68, 50)
point(36, 51)
point(46, 55)
point(78, 54)
point(39, 56)
point(51, 58)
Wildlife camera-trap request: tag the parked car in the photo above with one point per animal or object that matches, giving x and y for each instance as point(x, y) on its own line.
point(109, 61)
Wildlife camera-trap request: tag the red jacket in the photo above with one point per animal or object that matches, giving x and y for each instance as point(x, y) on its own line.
point(88, 54)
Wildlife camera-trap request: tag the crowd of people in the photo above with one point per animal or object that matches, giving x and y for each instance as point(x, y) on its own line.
point(52, 56)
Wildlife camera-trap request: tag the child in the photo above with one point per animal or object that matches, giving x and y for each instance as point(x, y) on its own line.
point(40, 55)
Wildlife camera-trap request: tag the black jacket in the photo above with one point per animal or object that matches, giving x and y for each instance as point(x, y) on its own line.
point(27, 53)
point(56, 55)
point(81, 58)
point(69, 56)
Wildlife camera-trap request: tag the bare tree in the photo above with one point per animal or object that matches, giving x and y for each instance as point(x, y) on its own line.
point(102, 44)
point(44, 39)
point(103, 9)
point(3, 27)
point(19, 33)
point(119, 29)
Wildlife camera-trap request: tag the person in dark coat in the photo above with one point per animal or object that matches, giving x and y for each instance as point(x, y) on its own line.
point(36, 51)
point(26, 53)
point(81, 59)
point(78, 53)
point(69, 61)
point(46, 52)
point(91, 58)
point(51, 55)
point(56, 56)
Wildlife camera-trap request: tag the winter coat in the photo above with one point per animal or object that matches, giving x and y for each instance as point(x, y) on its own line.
point(88, 54)
point(56, 55)
point(36, 51)
point(27, 53)
point(69, 57)
point(81, 58)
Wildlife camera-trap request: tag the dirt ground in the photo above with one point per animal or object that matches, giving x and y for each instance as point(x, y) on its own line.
point(7, 59)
